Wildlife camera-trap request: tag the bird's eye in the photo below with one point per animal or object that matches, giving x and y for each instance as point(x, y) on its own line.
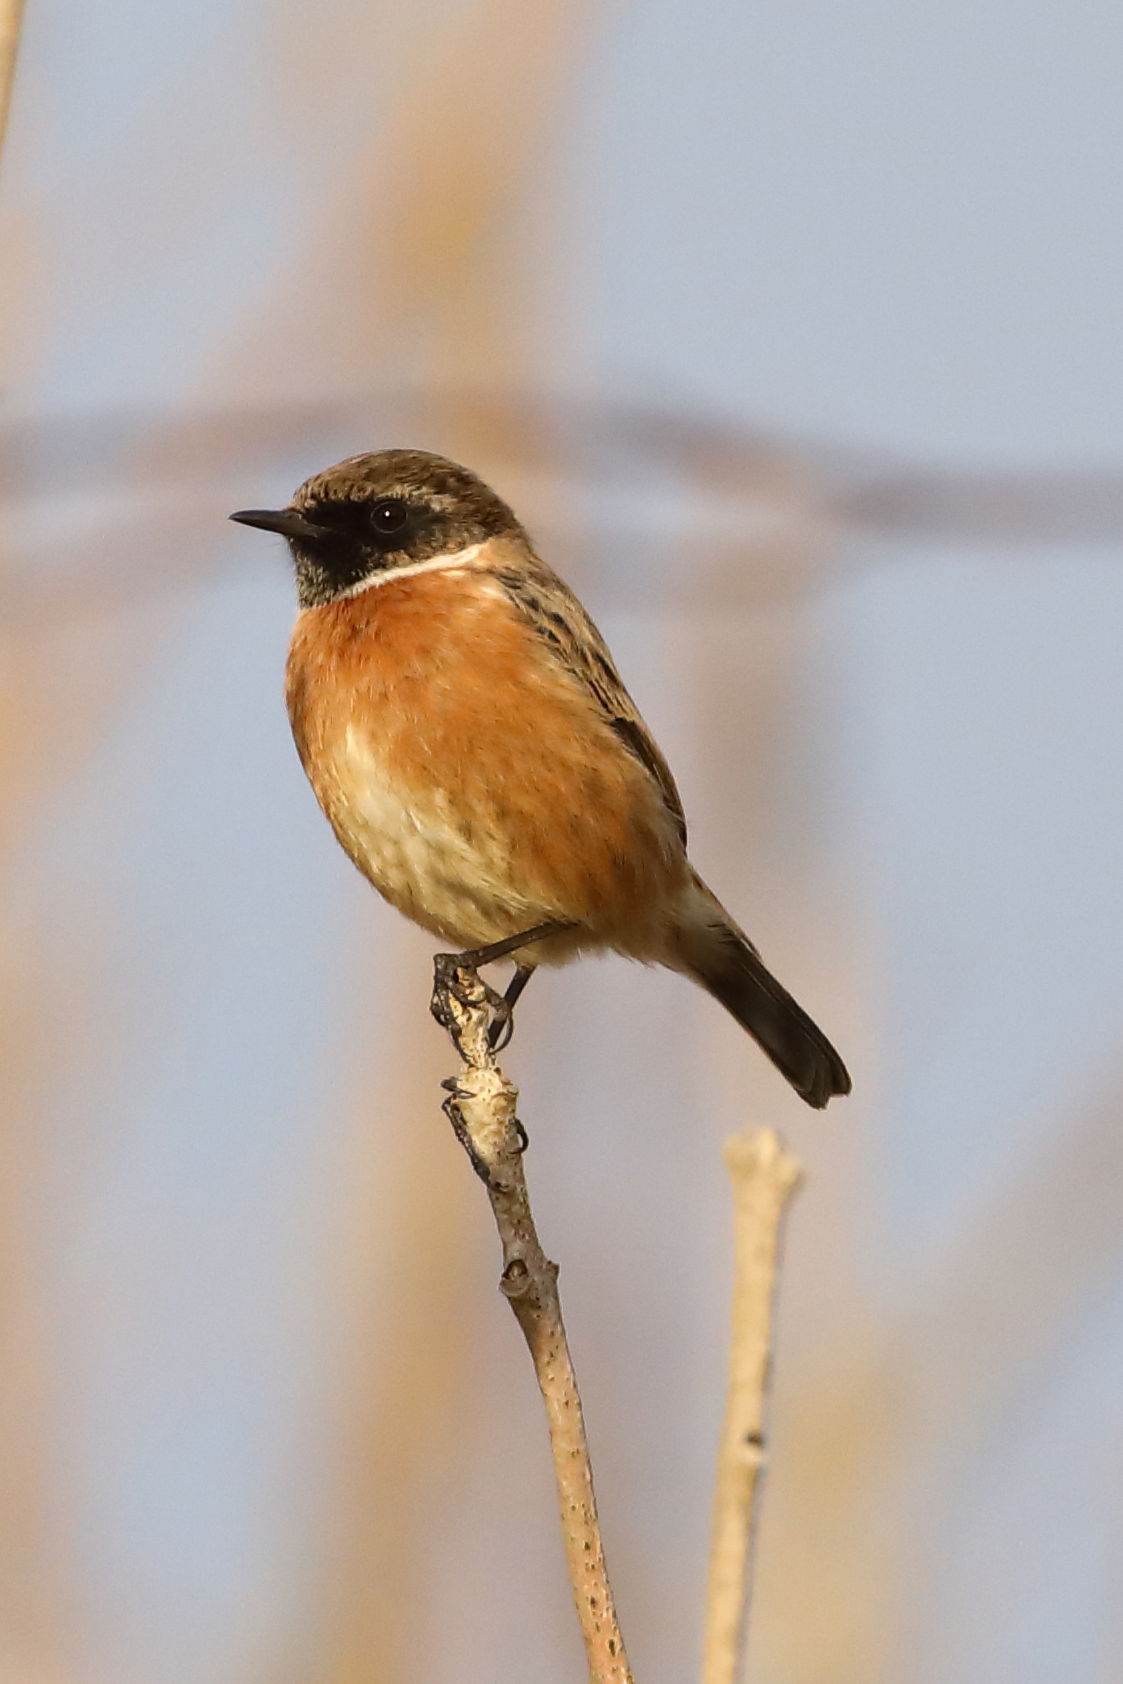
point(389, 515)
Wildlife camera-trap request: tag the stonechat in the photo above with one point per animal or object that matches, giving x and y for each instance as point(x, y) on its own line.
point(470, 741)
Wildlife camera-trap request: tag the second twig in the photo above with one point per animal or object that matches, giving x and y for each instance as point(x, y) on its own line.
point(764, 1175)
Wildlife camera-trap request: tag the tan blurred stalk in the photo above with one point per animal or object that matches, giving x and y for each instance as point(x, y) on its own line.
point(415, 249)
point(57, 694)
point(48, 726)
point(405, 1221)
point(11, 23)
point(52, 712)
point(764, 1176)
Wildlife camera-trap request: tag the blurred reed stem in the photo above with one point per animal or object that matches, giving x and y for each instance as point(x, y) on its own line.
point(764, 1176)
point(11, 23)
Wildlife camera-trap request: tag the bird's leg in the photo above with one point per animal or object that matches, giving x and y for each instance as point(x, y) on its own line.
point(448, 966)
point(473, 957)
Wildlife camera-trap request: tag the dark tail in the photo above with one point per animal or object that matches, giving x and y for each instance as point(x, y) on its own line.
point(726, 964)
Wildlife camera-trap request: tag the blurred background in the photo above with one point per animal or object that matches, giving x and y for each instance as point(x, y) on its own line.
point(793, 333)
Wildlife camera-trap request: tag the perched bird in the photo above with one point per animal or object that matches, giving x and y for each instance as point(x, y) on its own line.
point(466, 733)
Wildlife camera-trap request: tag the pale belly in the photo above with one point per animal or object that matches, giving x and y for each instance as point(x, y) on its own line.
point(459, 881)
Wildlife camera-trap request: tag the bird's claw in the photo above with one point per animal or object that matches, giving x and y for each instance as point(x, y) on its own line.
point(458, 984)
point(451, 1109)
point(502, 1024)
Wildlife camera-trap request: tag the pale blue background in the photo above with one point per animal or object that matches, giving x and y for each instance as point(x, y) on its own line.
point(887, 239)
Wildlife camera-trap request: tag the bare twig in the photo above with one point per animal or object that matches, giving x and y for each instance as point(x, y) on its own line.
point(481, 1108)
point(764, 1176)
point(11, 22)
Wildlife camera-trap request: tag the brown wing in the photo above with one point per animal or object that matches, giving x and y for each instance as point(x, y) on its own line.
point(550, 607)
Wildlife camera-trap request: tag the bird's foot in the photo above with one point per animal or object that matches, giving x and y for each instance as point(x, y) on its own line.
point(451, 1109)
point(502, 1025)
point(459, 990)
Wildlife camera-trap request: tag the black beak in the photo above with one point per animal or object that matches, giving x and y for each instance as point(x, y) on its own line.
point(285, 521)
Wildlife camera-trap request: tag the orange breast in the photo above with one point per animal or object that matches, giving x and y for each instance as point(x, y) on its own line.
point(475, 782)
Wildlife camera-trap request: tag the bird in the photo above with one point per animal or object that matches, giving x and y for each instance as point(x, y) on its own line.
point(470, 741)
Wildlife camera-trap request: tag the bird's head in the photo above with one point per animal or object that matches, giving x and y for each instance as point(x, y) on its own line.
point(373, 515)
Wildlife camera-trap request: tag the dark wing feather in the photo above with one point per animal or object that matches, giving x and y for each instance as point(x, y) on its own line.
point(550, 607)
